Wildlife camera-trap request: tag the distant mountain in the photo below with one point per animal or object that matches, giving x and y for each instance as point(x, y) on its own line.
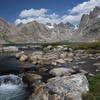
point(34, 32)
point(87, 30)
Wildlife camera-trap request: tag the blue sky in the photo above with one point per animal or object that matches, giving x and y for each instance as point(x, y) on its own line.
point(55, 11)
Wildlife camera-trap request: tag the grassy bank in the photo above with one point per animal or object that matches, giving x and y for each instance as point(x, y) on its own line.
point(93, 47)
point(94, 85)
point(86, 46)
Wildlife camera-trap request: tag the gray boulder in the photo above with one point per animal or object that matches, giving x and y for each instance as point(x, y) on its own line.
point(63, 88)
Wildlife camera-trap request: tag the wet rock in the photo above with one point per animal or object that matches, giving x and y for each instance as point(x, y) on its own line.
point(18, 55)
point(54, 63)
point(10, 49)
point(70, 55)
point(96, 64)
point(23, 58)
point(49, 47)
point(98, 56)
point(63, 88)
point(92, 58)
point(45, 62)
point(65, 49)
point(79, 51)
point(37, 86)
point(70, 49)
point(61, 72)
point(36, 56)
point(60, 61)
point(51, 55)
point(63, 55)
point(35, 61)
point(83, 72)
point(29, 78)
point(68, 59)
point(82, 62)
point(59, 48)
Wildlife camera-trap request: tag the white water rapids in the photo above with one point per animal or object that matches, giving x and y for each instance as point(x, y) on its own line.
point(12, 88)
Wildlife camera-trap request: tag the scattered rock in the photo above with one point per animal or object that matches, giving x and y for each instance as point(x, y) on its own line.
point(59, 48)
point(60, 61)
point(36, 55)
point(18, 55)
point(10, 49)
point(49, 47)
point(23, 58)
point(29, 78)
point(70, 55)
point(63, 55)
point(96, 64)
point(61, 72)
point(68, 59)
point(45, 62)
point(82, 62)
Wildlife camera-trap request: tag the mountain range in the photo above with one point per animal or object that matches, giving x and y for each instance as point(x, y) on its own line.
point(87, 30)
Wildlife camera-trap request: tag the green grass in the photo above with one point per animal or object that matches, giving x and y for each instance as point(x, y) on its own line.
point(52, 44)
point(86, 46)
point(93, 47)
point(94, 86)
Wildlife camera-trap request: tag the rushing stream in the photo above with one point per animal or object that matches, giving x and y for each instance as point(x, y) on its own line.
point(12, 88)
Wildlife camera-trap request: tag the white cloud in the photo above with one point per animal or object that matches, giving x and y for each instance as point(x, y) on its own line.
point(54, 15)
point(71, 18)
point(39, 15)
point(33, 12)
point(24, 21)
point(43, 15)
point(40, 19)
point(85, 7)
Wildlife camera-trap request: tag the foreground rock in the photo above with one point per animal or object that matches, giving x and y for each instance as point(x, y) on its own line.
point(63, 88)
point(29, 78)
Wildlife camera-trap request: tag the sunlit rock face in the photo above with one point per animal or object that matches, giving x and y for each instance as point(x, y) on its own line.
point(89, 27)
point(34, 32)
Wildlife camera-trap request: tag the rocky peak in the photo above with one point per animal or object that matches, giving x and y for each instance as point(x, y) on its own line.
point(89, 26)
point(95, 13)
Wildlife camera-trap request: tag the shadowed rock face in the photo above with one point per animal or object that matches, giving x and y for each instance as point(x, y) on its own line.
point(89, 28)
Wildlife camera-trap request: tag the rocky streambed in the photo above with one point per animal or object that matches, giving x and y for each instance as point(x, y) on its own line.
point(54, 73)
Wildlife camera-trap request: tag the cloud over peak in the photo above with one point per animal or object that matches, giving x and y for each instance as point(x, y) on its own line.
point(43, 15)
point(85, 7)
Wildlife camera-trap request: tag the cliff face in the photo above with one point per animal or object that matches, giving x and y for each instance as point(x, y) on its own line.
point(89, 27)
point(87, 30)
